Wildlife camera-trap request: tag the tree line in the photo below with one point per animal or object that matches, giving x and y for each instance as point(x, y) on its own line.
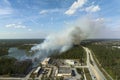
point(76, 52)
point(12, 67)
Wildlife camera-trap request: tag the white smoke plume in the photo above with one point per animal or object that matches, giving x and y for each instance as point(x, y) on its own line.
point(64, 40)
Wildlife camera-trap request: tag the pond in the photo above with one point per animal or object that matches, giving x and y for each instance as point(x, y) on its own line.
point(17, 53)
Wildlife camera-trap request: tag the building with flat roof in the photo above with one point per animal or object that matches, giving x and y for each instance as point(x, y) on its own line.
point(64, 71)
point(70, 62)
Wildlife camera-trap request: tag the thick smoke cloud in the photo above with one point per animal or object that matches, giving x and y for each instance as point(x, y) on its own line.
point(64, 40)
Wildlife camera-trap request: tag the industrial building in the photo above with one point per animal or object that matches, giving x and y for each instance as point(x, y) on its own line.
point(64, 71)
point(70, 62)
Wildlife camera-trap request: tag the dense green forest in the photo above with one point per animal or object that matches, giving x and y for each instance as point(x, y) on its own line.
point(11, 67)
point(77, 52)
point(109, 58)
point(3, 51)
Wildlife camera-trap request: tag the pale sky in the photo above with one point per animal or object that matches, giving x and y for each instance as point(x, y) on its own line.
point(39, 18)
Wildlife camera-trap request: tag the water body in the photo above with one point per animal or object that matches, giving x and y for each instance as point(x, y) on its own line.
point(17, 53)
point(20, 55)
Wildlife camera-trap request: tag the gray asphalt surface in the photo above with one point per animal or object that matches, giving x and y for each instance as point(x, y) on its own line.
point(95, 73)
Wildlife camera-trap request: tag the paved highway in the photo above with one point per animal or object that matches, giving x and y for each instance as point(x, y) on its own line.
point(95, 73)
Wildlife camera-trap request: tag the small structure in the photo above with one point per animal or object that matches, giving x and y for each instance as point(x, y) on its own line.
point(70, 62)
point(64, 71)
point(36, 72)
point(45, 61)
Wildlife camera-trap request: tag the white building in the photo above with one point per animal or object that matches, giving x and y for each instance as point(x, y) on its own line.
point(36, 72)
point(45, 61)
point(70, 62)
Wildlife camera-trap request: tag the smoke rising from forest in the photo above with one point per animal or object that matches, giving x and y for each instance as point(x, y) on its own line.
point(64, 40)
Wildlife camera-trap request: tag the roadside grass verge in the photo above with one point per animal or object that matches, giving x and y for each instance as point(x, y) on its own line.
point(87, 73)
point(107, 76)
